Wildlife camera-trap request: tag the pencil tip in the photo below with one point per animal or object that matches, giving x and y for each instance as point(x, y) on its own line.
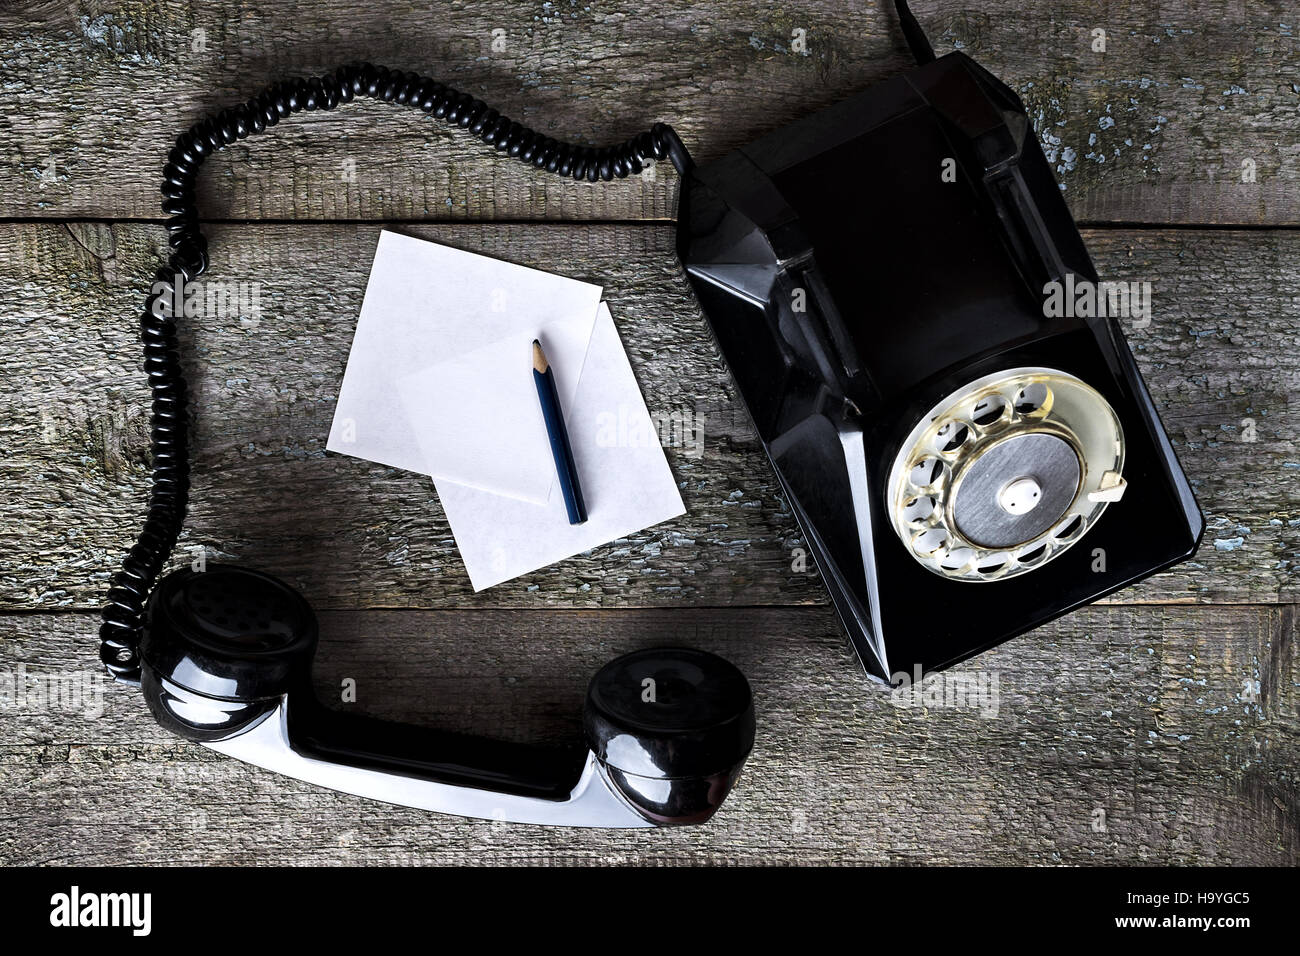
point(539, 357)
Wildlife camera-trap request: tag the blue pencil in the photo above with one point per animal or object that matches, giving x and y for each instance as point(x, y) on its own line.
point(562, 451)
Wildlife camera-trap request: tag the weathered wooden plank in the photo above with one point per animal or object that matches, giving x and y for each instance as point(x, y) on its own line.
point(73, 430)
point(1143, 714)
point(1155, 129)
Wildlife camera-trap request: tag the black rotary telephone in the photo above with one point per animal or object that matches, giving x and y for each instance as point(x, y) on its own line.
point(915, 326)
point(875, 278)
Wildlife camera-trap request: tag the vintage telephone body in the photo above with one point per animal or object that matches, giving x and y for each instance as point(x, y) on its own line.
point(910, 290)
point(875, 267)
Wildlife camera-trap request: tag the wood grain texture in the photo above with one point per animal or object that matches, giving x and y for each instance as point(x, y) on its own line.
point(1171, 712)
point(1142, 712)
point(1155, 129)
point(73, 428)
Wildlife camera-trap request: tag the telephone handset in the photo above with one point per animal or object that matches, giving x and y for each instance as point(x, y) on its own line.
point(226, 657)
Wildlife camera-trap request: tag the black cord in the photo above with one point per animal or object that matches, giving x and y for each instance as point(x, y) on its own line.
point(916, 39)
point(123, 615)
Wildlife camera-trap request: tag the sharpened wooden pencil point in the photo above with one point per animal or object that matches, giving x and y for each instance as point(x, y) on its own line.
point(539, 357)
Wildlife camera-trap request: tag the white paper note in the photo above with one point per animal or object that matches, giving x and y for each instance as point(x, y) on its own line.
point(625, 478)
point(465, 323)
point(439, 381)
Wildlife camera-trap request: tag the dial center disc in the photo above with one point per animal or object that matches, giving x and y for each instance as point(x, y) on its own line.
point(1020, 496)
point(1016, 490)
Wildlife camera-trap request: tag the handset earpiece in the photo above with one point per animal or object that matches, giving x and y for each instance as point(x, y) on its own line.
point(672, 728)
point(221, 647)
point(226, 660)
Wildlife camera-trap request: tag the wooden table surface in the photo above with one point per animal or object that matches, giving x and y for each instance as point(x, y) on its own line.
point(1158, 727)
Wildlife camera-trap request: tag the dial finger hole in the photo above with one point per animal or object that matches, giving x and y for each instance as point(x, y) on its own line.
point(992, 563)
point(1032, 398)
point(918, 508)
point(1070, 529)
point(929, 542)
point(1033, 554)
point(988, 410)
point(925, 472)
point(956, 559)
point(951, 436)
